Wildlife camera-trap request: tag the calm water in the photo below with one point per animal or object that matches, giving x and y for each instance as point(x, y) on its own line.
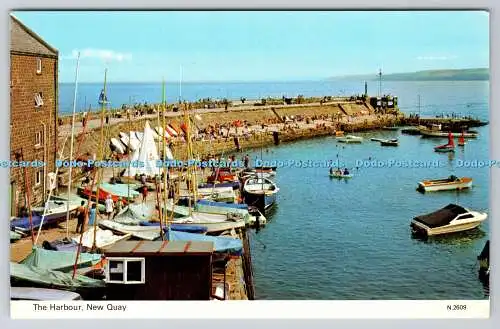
point(436, 97)
point(330, 239)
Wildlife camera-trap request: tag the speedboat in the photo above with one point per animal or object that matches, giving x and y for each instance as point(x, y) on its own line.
point(446, 184)
point(350, 139)
point(450, 219)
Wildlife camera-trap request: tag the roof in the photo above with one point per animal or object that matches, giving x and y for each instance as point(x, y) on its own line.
point(23, 40)
point(157, 248)
point(442, 216)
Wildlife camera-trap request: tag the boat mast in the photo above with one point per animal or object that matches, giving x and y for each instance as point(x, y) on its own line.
point(129, 115)
point(71, 143)
point(164, 147)
point(419, 109)
point(380, 82)
point(101, 142)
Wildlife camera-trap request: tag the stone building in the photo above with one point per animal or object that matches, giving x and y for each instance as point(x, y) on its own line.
point(33, 114)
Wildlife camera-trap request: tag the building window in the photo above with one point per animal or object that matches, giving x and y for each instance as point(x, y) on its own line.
point(38, 99)
point(38, 177)
point(125, 270)
point(38, 138)
point(38, 66)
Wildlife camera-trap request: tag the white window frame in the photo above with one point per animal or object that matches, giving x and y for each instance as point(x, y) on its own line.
point(38, 138)
point(38, 65)
point(125, 260)
point(38, 100)
point(38, 177)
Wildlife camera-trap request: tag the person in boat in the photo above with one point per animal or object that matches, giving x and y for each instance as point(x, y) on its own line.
point(109, 206)
point(453, 178)
point(346, 172)
point(92, 214)
point(80, 215)
point(338, 172)
point(331, 171)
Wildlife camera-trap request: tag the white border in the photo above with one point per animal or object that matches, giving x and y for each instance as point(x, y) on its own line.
point(274, 4)
point(403, 309)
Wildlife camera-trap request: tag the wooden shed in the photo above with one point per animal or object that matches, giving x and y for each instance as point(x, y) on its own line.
point(159, 270)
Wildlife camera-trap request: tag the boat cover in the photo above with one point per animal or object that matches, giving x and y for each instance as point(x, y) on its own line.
point(441, 217)
point(222, 244)
point(133, 214)
point(121, 190)
point(223, 204)
point(60, 245)
point(59, 260)
point(14, 236)
point(23, 223)
point(51, 278)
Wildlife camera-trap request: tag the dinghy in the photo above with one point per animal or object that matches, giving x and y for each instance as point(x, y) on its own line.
point(449, 147)
point(340, 174)
point(446, 184)
point(260, 192)
point(450, 219)
point(461, 140)
point(103, 238)
point(213, 222)
point(389, 142)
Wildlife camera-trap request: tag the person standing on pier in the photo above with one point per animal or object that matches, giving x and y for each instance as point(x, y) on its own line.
point(80, 215)
point(92, 214)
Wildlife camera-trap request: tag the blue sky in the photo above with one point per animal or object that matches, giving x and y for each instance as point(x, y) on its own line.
point(258, 46)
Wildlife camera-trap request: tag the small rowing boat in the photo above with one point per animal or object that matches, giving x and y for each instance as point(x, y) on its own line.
point(446, 184)
point(340, 174)
point(389, 142)
point(350, 139)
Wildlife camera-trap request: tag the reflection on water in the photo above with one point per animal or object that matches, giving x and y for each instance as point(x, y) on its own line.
point(458, 238)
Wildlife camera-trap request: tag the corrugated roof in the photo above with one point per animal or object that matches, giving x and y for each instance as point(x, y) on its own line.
point(160, 247)
point(24, 40)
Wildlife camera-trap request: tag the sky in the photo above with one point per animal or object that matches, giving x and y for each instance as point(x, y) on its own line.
point(151, 46)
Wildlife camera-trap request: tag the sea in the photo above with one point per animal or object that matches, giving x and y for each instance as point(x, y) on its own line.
point(351, 239)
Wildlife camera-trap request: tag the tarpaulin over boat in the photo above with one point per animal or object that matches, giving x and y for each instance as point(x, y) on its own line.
point(442, 216)
point(182, 228)
point(121, 190)
point(50, 278)
point(223, 204)
point(134, 214)
point(23, 223)
point(222, 244)
point(59, 260)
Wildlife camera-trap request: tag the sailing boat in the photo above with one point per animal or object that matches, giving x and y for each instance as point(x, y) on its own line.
point(449, 147)
point(146, 155)
point(461, 140)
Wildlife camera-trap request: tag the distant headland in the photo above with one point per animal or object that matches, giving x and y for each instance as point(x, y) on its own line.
point(427, 75)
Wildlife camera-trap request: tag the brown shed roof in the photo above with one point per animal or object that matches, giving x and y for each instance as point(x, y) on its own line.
point(164, 248)
point(23, 40)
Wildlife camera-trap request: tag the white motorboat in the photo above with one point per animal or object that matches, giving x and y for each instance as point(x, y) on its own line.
point(350, 139)
point(450, 219)
point(260, 193)
point(446, 184)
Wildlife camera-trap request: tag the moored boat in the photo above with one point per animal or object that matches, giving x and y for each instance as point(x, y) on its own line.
point(260, 192)
point(461, 140)
point(450, 183)
point(350, 139)
point(389, 142)
point(449, 147)
point(450, 219)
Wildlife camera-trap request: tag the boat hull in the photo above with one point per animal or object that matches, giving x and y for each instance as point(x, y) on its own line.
point(263, 202)
point(431, 133)
point(422, 186)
